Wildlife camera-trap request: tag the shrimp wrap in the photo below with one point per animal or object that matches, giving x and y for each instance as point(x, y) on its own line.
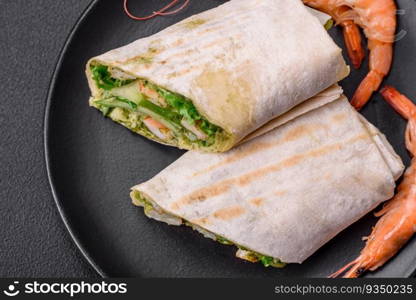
point(210, 80)
point(280, 196)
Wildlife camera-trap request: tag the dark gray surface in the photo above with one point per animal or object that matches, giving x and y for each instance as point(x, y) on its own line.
point(33, 239)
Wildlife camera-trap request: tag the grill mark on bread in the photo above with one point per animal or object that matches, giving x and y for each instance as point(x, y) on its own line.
point(177, 43)
point(224, 186)
point(221, 41)
point(292, 135)
point(229, 213)
point(280, 193)
point(256, 201)
point(189, 52)
point(339, 118)
point(149, 55)
point(201, 221)
point(183, 72)
point(202, 33)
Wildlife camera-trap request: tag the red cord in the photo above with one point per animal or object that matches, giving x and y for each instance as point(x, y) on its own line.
point(160, 12)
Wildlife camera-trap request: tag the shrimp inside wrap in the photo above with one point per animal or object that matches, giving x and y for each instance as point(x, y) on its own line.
point(280, 196)
point(211, 80)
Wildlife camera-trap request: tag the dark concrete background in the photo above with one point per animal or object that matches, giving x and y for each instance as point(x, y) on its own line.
point(33, 239)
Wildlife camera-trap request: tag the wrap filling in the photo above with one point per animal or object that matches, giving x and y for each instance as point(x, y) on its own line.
point(142, 106)
point(154, 211)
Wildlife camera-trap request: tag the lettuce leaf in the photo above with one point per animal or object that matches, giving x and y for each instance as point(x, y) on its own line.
point(187, 110)
point(103, 78)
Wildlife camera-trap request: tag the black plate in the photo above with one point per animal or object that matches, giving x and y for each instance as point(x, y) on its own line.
point(92, 163)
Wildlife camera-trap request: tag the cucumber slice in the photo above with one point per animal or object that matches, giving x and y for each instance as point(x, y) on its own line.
point(129, 91)
point(128, 97)
point(159, 114)
point(117, 102)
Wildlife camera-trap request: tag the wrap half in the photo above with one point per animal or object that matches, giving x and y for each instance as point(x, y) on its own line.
point(210, 80)
point(281, 196)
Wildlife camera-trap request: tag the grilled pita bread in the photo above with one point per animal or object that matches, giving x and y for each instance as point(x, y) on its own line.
point(241, 65)
point(285, 193)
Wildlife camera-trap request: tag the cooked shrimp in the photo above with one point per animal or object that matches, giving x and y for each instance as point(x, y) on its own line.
point(156, 128)
point(352, 38)
point(342, 17)
point(398, 217)
point(378, 20)
point(151, 94)
point(194, 129)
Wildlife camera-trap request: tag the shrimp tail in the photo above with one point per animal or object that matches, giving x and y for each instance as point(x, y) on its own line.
point(352, 38)
point(403, 105)
point(342, 270)
point(384, 210)
point(367, 87)
point(407, 109)
point(356, 270)
point(353, 269)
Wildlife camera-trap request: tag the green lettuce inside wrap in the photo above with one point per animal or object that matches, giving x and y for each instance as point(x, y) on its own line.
point(151, 110)
point(152, 210)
